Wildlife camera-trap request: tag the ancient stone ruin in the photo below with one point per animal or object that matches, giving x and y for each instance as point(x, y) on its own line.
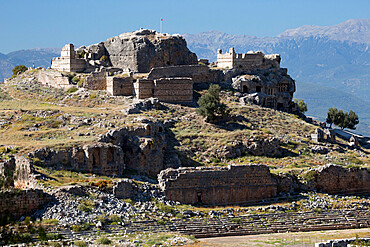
point(245, 184)
point(247, 62)
point(218, 185)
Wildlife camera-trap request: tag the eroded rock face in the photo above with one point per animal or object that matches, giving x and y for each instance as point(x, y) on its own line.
point(142, 50)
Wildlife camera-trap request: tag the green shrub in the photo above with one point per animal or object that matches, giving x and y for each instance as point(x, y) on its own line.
point(301, 105)
point(236, 220)
point(104, 240)
point(79, 228)
point(72, 90)
point(18, 69)
point(310, 176)
point(75, 79)
point(80, 243)
point(86, 206)
point(54, 236)
point(81, 82)
point(180, 216)
point(210, 105)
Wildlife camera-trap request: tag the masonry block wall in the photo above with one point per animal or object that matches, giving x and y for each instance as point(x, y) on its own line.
point(247, 61)
point(119, 86)
point(21, 202)
point(174, 89)
point(218, 185)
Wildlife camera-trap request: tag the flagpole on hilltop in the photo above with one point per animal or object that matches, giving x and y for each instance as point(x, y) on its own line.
point(160, 25)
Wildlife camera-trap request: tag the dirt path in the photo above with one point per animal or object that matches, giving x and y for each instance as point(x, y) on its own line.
point(283, 239)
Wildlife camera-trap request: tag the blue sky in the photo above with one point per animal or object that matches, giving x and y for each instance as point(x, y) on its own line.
point(52, 23)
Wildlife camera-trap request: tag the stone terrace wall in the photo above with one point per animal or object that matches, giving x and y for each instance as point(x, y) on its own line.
point(218, 185)
point(23, 202)
point(118, 86)
point(174, 89)
point(336, 179)
point(199, 73)
point(54, 79)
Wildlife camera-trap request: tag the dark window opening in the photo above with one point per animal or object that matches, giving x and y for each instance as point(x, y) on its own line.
point(258, 89)
point(240, 67)
point(245, 89)
point(168, 63)
point(160, 129)
point(199, 196)
point(280, 106)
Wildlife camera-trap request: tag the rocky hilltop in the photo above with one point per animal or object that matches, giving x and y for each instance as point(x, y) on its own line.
point(142, 50)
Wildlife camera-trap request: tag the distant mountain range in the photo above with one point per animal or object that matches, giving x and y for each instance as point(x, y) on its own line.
point(336, 56)
point(330, 64)
point(40, 57)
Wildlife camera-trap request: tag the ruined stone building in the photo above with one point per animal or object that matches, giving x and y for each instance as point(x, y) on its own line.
point(247, 61)
point(69, 60)
point(241, 184)
point(260, 79)
point(170, 70)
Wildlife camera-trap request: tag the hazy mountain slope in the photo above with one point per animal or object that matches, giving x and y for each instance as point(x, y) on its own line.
point(330, 56)
point(355, 30)
point(320, 98)
point(40, 57)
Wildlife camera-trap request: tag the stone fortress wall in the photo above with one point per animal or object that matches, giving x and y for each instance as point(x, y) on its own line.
point(218, 185)
point(247, 61)
point(245, 184)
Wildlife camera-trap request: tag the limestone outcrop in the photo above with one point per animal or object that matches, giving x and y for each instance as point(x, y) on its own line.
point(144, 49)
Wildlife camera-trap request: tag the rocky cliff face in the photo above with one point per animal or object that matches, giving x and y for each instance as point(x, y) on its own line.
point(145, 49)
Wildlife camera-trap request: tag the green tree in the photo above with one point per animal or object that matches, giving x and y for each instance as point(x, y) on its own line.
point(210, 105)
point(339, 118)
point(351, 120)
point(332, 112)
point(18, 69)
point(301, 105)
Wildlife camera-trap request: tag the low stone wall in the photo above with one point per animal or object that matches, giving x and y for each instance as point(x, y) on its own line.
point(118, 86)
point(218, 185)
point(174, 89)
point(53, 78)
point(23, 202)
point(344, 242)
point(199, 73)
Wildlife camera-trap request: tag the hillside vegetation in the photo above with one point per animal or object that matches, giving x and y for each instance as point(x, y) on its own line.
point(35, 116)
